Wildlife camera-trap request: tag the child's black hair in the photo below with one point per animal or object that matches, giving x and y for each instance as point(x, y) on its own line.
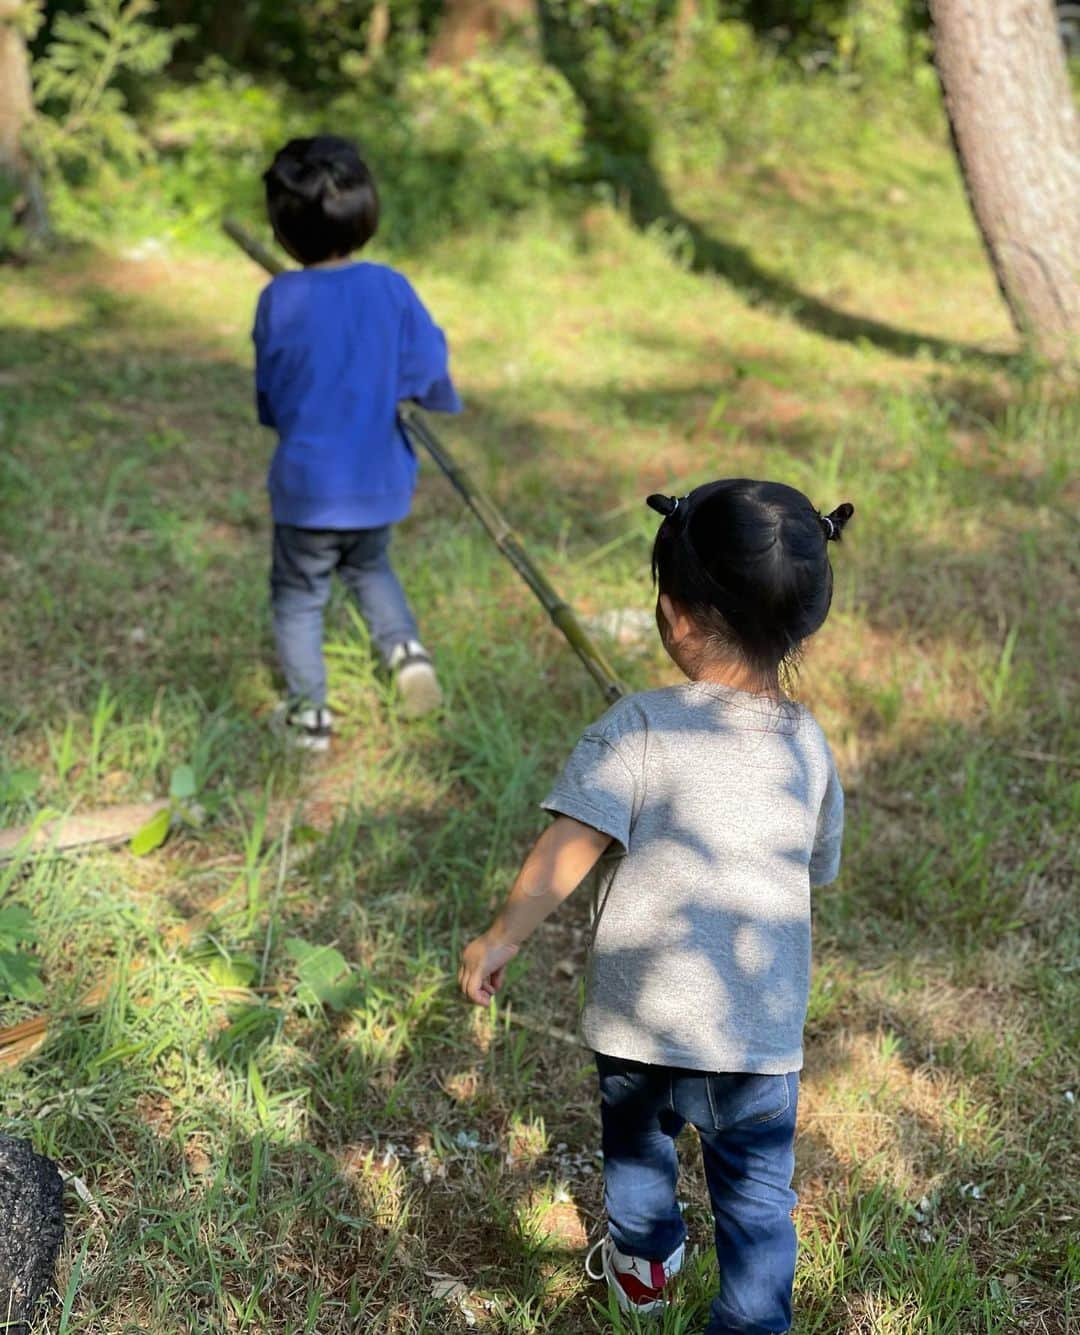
point(321, 198)
point(748, 562)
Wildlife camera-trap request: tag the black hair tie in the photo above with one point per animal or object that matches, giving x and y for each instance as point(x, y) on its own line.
point(833, 523)
point(664, 505)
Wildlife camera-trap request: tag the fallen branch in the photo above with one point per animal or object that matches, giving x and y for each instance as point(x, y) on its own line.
point(112, 825)
point(535, 1027)
point(1049, 758)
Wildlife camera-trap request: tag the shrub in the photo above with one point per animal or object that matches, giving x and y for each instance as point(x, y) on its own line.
point(215, 137)
point(736, 98)
point(85, 135)
point(453, 145)
point(448, 146)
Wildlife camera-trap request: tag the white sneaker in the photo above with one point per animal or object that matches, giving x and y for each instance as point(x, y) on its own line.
point(306, 729)
point(638, 1285)
point(414, 674)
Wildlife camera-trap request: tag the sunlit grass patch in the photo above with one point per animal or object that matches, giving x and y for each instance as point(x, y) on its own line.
point(278, 1146)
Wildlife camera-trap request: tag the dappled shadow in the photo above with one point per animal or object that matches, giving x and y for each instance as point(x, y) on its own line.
point(909, 1122)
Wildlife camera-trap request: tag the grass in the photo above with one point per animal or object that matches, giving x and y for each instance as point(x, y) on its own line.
point(257, 1161)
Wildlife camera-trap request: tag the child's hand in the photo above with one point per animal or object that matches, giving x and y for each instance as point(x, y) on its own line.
point(483, 965)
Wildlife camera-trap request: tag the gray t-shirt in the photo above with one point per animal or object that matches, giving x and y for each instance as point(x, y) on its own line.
point(725, 809)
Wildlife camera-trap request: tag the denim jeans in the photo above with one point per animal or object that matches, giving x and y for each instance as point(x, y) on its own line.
point(304, 559)
point(747, 1128)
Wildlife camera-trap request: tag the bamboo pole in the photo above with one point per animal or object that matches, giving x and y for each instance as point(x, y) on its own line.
point(497, 528)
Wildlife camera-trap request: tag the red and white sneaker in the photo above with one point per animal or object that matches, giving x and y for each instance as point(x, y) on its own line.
point(638, 1285)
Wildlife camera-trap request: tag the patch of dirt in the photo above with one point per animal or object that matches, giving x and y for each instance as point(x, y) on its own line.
point(562, 1223)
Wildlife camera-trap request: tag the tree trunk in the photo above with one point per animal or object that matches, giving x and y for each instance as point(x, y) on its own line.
point(16, 117)
point(378, 30)
point(687, 14)
point(1014, 125)
point(466, 25)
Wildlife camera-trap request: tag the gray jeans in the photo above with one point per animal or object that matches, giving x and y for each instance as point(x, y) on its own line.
point(304, 560)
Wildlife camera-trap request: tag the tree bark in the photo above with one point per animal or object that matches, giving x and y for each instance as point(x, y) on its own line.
point(16, 98)
point(31, 1231)
point(378, 30)
point(1015, 129)
point(16, 117)
point(466, 25)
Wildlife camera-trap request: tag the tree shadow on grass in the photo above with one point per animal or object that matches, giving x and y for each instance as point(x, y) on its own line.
point(621, 139)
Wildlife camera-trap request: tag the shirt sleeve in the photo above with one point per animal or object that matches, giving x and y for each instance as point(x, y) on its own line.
point(424, 367)
point(596, 787)
point(825, 859)
point(263, 406)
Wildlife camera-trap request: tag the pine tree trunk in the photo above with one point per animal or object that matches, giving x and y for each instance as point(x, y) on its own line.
point(16, 116)
point(1016, 133)
point(16, 100)
point(468, 24)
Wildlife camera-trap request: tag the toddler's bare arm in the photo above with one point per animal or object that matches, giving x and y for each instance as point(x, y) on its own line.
point(560, 860)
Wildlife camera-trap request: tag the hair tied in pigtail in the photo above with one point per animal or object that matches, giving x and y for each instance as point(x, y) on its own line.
point(833, 523)
point(663, 505)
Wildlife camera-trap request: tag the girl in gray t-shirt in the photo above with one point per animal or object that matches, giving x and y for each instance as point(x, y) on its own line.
point(715, 806)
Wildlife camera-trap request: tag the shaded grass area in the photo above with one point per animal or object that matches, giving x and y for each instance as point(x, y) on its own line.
point(259, 1162)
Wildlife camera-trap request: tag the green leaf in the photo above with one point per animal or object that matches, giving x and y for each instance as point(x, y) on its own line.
point(118, 1053)
point(152, 835)
point(16, 924)
point(325, 976)
point(19, 976)
point(183, 784)
point(258, 1093)
point(232, 970)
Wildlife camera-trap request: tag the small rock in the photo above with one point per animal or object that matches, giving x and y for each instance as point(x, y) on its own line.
point(629, 627)
point(151, 247)
point(198, 1161)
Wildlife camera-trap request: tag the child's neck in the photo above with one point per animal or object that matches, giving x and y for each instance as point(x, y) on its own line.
point(737, 676)
point(334, 262)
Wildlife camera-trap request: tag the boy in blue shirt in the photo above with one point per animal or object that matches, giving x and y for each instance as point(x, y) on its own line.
point(338, 344)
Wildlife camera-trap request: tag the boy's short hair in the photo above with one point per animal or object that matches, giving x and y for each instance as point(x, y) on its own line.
point(321, 198)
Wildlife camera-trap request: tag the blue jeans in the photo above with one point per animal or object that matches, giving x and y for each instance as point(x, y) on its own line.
point(304, 559)
point(747, 1129)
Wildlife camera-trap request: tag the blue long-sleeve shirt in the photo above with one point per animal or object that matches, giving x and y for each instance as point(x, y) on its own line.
point(336, 350)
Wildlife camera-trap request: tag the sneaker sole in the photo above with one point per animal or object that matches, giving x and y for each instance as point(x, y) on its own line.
point(627, 1304)
point(419, 689)
point(295, 739)
point(318, 745)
